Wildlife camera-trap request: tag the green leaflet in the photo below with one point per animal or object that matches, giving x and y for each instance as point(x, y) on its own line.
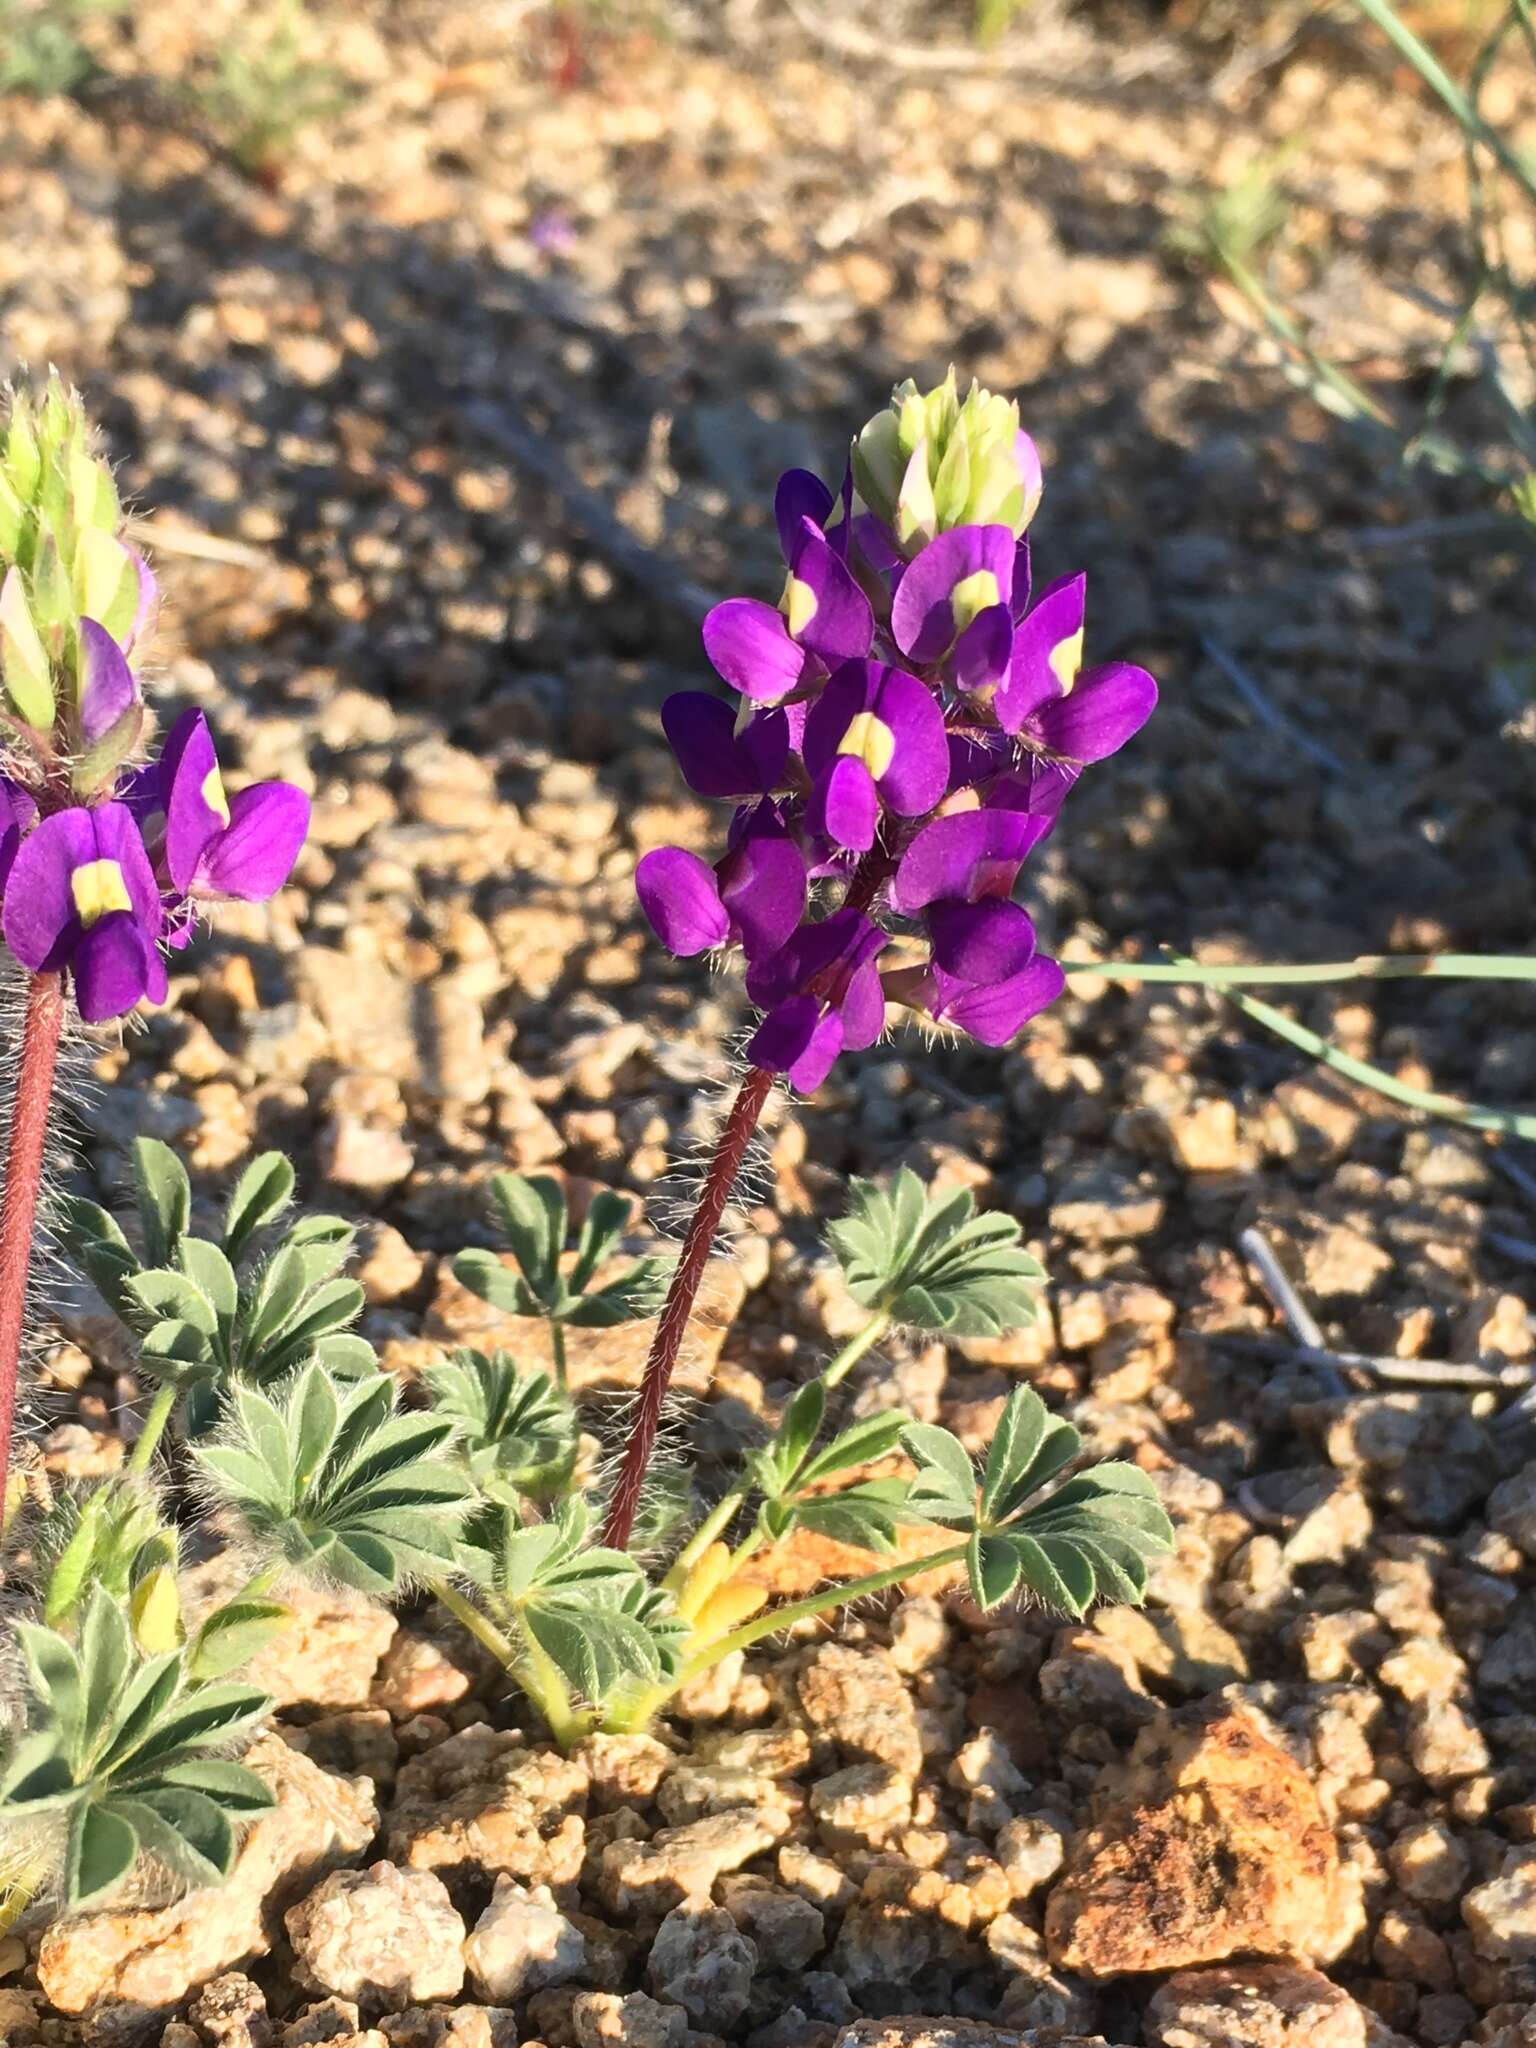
point(1091, 1538)
point(535, 1222)
point(514, 1430)
point(208, 1314)
point(932, 1261)
point(117, 1749)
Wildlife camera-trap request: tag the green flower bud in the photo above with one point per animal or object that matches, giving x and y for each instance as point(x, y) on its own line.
point(932, 461)
point(24, 666)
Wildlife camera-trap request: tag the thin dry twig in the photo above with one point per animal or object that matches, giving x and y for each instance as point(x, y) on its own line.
point(1248, 688)
point(1406, 1372)
point(651, 572)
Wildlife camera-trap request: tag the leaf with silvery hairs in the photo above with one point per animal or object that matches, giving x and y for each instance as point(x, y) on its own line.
point(1092, 1538)
point(932, 1261)
point(339, 1484)
point(118, 1757)
point(586, 1608)
point(514, 1429)
point(535, 1221)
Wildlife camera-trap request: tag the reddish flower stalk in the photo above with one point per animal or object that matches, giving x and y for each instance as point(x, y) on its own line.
point(697, 1246)
point(23, 1180)
point(865, 884)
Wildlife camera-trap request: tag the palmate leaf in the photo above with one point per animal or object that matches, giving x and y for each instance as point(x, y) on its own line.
point(535, 1221)
point(338, 1482)
point(117, 1756)
point(511, 1427)
point(1092, 1538)
point(931, 1261)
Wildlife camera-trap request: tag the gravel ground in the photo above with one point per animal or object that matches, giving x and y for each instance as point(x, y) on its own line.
point(484, 388)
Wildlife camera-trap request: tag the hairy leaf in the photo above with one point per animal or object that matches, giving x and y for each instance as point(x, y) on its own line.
point(932, 1261)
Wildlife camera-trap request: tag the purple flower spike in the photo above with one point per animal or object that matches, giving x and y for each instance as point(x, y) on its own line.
point(873, 729)
point(715, 759)
point(215, 845)
point(954, 580)
point(1047, 652)
point(680, 896)
point(82, 895)
point(108, 687)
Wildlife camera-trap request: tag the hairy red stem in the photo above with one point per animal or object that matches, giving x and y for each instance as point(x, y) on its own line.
point(23, 1180)
point(697, 1246)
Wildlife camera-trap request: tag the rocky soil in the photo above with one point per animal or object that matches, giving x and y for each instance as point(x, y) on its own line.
point(481, 393)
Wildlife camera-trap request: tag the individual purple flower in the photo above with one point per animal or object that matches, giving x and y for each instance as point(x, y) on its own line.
point(993, 1013)
point(211, 845)
point(958, 594)
point(754, 897)
point(1048, 696)
point(966, 857)
point(874, 736)
point(823, 617)
point(820, 995)
point(717, 759)
point(82, 895)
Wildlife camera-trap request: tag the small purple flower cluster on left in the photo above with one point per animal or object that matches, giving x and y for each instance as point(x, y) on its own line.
point(105, 856)
point(913, 714)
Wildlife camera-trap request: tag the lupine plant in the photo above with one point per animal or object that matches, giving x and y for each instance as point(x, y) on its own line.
point(912, 715)
point(112, 839)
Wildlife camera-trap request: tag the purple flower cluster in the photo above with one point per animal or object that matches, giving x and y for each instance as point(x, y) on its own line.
point(912, 718)
point(97, 889)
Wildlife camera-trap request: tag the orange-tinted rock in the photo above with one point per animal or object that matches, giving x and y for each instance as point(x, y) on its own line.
point(1213, 1843)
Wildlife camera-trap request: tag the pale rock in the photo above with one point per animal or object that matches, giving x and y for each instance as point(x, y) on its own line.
point(382, 1936)
point(702, 1961)
point(1031, 1851)
point(1184, 1648)
point(857, 1699)
point(230, 2012)
point(602, 2019)
point(786, 1929)
point(522, 1943)
point(861, 1805)
point(625, 1770)
point(1502, 1912)
point(1429, 1863)
point(647, 1879)
point(484, 1801)
point(1259, 2005)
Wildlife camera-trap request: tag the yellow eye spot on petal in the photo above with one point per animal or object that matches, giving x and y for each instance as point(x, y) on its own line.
point(799, 604)
point(213, 794)
point(871, 741)
point(973, 594)
point(1066, 660)
point(98, 888)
